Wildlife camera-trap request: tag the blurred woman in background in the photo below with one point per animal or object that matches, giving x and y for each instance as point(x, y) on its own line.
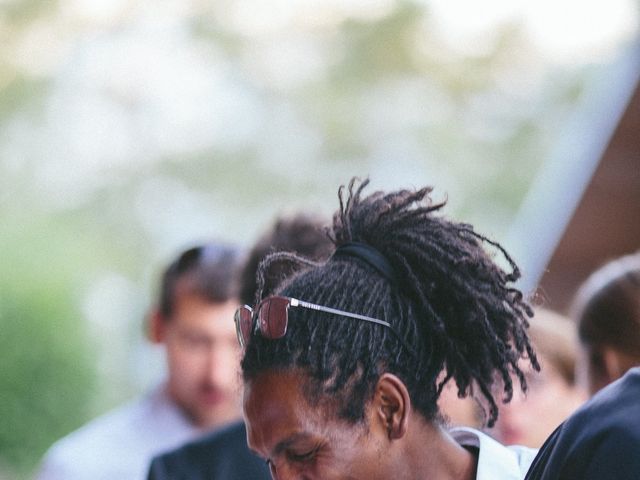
point(553, 394)
point(601, 440)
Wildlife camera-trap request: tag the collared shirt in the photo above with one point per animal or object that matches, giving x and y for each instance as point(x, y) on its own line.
point(120, 444)
point(495, 461)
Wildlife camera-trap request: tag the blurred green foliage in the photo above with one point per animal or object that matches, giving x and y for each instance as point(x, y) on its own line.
point(47, 374)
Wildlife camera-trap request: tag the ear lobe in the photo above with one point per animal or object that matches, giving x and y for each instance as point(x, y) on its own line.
point(392, 405)
point(156, 326)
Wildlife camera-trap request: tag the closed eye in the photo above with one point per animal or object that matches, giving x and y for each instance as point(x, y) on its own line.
point(301, 457)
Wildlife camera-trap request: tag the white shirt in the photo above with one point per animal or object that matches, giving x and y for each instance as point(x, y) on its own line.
point(495, 461)
point(120, 444)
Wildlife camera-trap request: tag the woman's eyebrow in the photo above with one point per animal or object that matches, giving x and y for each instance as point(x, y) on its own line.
point(287, 442)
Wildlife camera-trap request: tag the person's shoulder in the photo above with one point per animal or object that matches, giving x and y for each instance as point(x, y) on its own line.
point(103, 427)
point(614, 408)
point(217, 441)
point(599, 439)
point(79, 450)
point(495, 461)
point(221, 454)
point(207, 449)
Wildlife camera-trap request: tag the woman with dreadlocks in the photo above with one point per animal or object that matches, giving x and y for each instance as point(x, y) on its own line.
point(344, 365)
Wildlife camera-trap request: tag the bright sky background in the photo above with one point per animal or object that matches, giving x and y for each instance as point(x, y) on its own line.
point(565, 30)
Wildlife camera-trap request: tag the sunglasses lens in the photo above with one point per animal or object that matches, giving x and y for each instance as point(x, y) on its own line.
point(244, 322)
point(272, 315)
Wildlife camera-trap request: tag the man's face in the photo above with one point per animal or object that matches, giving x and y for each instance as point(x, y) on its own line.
point(203, 358)
point(301, 441)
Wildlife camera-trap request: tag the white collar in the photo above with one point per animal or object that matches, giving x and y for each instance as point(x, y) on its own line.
point(495, 461)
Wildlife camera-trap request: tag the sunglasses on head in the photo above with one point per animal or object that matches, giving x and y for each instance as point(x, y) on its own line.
point(271, 317)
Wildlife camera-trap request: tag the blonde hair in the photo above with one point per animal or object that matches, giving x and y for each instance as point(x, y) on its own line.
point(555, 339)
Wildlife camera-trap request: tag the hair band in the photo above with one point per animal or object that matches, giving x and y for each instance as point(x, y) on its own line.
point(368, 255)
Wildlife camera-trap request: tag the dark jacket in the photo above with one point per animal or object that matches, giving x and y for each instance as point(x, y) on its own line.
point(600, 441)
point(220, 455)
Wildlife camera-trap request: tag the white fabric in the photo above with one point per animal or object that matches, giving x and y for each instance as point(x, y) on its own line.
point(120, 444)
point(495, 461)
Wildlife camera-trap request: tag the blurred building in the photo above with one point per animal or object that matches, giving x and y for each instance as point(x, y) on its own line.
point(584, 209)
point(606, 222)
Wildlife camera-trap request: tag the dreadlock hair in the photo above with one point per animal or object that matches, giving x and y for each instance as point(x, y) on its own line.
point(453, 307)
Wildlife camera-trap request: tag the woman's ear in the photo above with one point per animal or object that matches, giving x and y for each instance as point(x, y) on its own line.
point(392, 405)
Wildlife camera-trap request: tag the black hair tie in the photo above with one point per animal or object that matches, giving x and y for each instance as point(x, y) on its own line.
point(368, 255)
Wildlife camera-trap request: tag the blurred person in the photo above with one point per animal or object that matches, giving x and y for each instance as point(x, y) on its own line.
point(607, 309)
point(553, 394)
point(344, 362)
point(301, 233)
point(601, 440)
point(224, 454)
point(193, 321)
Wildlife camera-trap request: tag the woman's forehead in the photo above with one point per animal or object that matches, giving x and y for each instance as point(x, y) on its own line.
point(273, 393)
point(276, 410)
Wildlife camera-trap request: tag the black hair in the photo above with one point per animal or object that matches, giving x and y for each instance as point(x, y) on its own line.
point(209, 271)
point(301, 233)
point(607, 306)
point(451, 303)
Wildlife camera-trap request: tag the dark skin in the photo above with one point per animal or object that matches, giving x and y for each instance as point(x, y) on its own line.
point(303, 442)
